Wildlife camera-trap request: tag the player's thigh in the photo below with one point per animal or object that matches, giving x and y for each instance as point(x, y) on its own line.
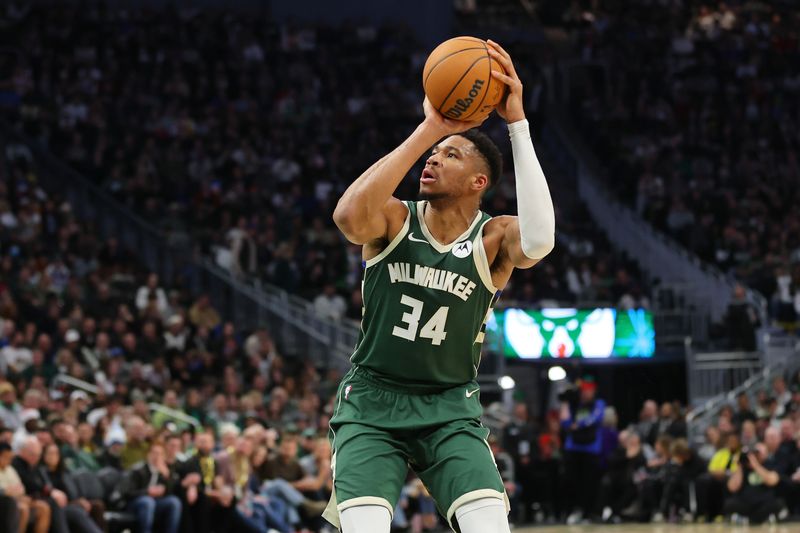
point(369, 466)
point(456, 465)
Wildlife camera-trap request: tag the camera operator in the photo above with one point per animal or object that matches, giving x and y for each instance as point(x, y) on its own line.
point(753, 487)
point(581, 416)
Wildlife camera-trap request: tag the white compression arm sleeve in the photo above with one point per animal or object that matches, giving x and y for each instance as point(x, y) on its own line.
point(537, 221)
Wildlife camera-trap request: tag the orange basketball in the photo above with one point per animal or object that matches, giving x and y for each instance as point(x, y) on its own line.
point(458, 81)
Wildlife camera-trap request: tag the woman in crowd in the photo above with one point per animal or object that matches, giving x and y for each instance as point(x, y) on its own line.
point(83, 516)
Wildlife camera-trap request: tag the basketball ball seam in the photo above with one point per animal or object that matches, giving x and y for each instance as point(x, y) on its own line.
point(451, 54)
point(459, 81)
point(470, 39)
point(488, 87)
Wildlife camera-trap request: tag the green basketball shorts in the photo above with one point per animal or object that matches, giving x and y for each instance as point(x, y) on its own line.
point(379, 430)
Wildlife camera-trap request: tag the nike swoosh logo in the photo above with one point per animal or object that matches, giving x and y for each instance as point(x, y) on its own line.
point(411, 238)
point(470, 393)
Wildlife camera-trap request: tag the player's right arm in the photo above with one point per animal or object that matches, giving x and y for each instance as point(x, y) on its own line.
point(367, 207)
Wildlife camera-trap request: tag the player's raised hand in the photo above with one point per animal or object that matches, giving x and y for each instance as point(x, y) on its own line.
point(510, 108)
point(444, 126)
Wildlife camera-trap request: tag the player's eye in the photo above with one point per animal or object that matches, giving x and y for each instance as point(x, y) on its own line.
point(451, 154)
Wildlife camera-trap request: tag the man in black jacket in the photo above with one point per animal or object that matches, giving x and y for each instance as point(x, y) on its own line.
point(26, 463)
point(148, 489)
point(208, 505)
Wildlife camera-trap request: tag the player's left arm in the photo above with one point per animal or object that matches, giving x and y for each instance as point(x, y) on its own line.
point(529, 236)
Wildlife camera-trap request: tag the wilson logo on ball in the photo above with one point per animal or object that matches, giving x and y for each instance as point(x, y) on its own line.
point(462, 104)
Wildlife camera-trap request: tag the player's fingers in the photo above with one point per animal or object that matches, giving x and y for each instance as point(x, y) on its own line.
point(508, 80)
point(506, 62)
point(495, 46)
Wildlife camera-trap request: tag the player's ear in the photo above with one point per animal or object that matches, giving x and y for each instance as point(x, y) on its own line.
point(480, 182)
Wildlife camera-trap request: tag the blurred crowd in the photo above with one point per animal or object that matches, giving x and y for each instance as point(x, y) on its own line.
point(242, 133)
point(695, 107)
point(745, 468)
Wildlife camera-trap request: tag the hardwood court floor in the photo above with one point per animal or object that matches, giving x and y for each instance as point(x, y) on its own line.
point(663, 528)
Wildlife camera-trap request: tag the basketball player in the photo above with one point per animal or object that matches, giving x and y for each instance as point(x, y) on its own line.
point(433, 270)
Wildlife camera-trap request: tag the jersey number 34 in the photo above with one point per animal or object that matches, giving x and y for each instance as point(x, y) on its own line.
point(434, 329)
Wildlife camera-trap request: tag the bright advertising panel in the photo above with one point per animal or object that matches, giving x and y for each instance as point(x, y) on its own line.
point(560, 333)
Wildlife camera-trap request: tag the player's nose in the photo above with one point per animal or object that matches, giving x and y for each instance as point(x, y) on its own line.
point(432, 161)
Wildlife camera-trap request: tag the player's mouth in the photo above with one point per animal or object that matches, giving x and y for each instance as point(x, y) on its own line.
point(427, 176)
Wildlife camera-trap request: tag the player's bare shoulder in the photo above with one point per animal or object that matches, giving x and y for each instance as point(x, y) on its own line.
point(396, 213)
point(493, 234)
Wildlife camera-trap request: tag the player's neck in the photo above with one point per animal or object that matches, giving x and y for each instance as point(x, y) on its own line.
point(448, 219)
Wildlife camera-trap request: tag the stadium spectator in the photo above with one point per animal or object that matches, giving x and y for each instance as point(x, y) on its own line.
point(76, 456)
point(520, 441)
point(583, 446)
point(26, 463)
point(670, 421)
point(15, 356)
point(9, 408)
point(609, 436)
point(618, 486)
point(136, 446)
point(781, 394)
point(678, 497)
point(648, 425)
point(793, 484)
point(650, 482)
point(505, 466)
point(17, 510)
point(713, 442)
point(151, 292)
point(743, 411)
point(213, 508)
point(329, 303)
point(753, 487)
point(317, 482)
point(548, 487)
point(280, 476)
point(148, 492)
point(82, 515)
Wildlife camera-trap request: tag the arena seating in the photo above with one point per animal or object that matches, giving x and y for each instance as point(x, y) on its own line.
point(693, 107)
point(250, 165)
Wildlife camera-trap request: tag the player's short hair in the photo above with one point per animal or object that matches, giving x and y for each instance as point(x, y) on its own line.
point(489, 152)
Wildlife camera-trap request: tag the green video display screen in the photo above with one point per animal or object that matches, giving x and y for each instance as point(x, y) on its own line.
point(559, 333)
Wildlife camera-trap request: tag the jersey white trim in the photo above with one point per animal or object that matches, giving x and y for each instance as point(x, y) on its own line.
point(482, 261)
point(392, 245)
point(442, 248)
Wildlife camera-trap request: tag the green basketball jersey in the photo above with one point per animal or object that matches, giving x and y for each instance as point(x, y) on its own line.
point(425, 306)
